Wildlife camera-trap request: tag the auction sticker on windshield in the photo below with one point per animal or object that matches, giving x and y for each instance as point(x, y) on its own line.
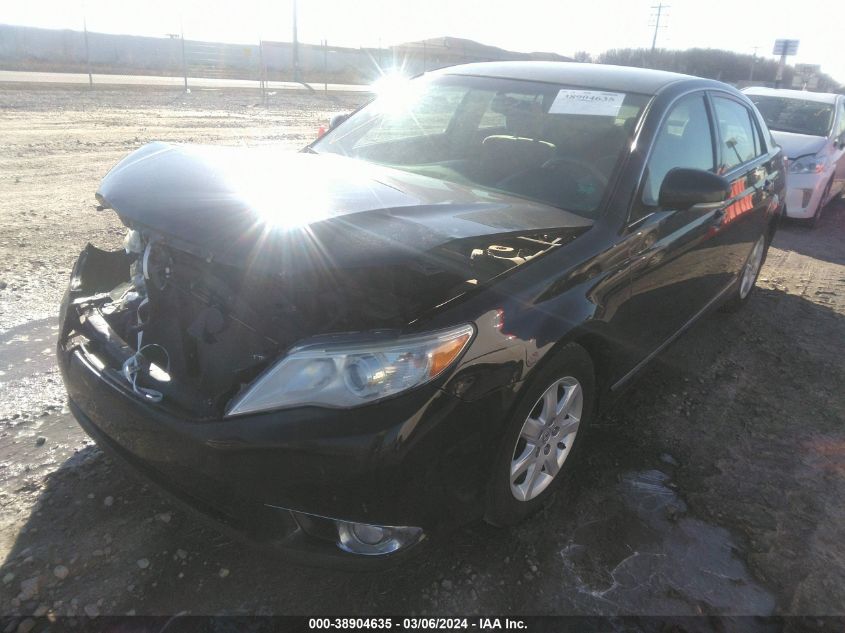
point(591, 102)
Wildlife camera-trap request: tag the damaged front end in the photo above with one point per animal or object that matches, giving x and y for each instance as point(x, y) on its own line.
point(195, 333)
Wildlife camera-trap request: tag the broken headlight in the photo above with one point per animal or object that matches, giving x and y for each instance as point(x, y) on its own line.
point(354, 372)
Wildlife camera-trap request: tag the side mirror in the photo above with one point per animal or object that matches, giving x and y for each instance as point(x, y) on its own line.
point(337, 119)
point(683, 188)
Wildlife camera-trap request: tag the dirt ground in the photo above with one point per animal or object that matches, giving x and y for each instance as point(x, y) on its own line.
point(716, 487)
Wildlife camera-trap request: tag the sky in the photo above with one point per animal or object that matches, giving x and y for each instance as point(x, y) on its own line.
point(558, 26)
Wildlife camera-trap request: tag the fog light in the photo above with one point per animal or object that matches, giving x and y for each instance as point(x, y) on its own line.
point(806, 194)
point(375, 540)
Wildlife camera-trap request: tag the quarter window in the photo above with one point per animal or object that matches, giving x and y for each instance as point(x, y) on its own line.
point(737, 134)
point(758, 145)
point(684, 140)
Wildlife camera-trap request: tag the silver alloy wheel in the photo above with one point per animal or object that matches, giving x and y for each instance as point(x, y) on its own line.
point(546, 438)
point(752, 267)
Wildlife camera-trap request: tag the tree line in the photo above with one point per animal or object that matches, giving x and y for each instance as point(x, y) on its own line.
point(727, 66)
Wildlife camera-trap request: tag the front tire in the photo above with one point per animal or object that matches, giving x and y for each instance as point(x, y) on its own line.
point(813, 222)
point(538, 451)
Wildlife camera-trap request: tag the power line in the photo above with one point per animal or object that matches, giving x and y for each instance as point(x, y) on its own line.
point(659, 8)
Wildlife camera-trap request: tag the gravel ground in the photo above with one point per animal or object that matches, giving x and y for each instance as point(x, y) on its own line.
point(715, 487)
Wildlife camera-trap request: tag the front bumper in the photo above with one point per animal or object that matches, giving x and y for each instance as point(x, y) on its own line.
point(417, 460)
point(804, 193)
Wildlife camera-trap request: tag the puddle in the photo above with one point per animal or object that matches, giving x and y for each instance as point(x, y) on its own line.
point(29, 376)
point(22, 457)
point(642, 553)
point(28, 348)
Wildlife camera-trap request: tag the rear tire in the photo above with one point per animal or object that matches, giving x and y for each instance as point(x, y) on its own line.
point(748, 275)
point(539, 449)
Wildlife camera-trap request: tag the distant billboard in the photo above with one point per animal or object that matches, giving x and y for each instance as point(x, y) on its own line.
point(805, 83)
point(807, 69)
point(806, 76)
point(785, 47)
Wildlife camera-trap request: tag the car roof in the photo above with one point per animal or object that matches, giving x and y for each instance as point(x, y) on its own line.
point(804, 95)
point(598, 76)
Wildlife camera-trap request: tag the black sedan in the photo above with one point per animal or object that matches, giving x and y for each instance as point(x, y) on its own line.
point(407, 326)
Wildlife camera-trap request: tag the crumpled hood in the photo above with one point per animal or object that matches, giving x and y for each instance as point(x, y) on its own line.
point(263, 204)
point(795, 145)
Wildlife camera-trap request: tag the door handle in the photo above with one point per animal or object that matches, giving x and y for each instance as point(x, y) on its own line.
point(718, 217)
point(644, 242)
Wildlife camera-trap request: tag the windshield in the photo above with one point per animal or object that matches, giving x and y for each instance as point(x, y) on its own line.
point(787, 114)
point(541, 141)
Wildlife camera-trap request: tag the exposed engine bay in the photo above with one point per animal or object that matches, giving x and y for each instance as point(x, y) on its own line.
point(192, 332)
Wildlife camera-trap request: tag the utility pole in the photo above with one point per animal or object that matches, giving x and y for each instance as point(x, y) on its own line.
point(262, 71)
point(184, 61)
point(753, 62)
point(87, 50)
point(779, 74)
point(325, 44)
point(659, 8)
point(296, 73)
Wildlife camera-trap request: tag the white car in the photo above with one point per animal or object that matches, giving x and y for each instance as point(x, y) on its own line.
point(810, 127)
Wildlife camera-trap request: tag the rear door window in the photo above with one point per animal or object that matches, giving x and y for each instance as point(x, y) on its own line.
point(736, 132)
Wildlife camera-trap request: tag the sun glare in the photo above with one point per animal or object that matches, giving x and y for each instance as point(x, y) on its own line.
point(296, 198)
point(395, 92)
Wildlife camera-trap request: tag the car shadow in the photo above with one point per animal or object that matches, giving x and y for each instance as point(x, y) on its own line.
point(652, 523)
point(824, 241)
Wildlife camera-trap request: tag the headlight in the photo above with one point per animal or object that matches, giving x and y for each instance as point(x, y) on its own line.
point(354, 372)
point(809, 164)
